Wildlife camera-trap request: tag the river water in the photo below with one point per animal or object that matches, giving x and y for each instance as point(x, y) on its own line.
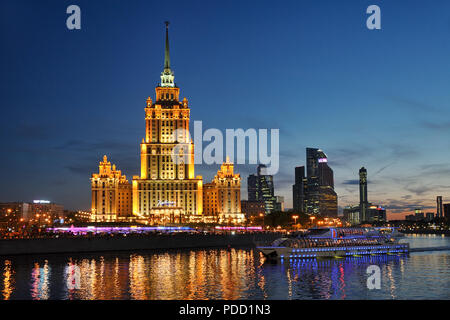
point(225, 274)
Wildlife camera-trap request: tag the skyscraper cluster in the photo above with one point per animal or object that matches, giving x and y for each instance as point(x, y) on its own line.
point(442, 210)
point(314, 193)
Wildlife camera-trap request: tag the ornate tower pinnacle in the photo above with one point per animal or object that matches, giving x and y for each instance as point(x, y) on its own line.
point(167, 53)
point(167, 76)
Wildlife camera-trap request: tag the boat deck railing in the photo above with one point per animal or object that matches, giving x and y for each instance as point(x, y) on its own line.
point(318, 243)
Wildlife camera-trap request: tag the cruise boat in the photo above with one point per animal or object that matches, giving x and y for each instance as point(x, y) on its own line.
point(336, 242)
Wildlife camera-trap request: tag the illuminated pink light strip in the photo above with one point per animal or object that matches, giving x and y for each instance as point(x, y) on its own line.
point(239, 228)
point(117, 229)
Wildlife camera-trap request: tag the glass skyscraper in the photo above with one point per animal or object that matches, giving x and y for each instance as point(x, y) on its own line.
point(315, 193)
point(260, 188)
point(298, 190)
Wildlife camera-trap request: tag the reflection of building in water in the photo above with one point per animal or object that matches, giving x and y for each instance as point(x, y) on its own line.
point(88, 279)
point(98, 279)
point(330, 278)
point(138, 278)
point(198, 275)
point(8, 280)
point(40, 281)
point(73, 276)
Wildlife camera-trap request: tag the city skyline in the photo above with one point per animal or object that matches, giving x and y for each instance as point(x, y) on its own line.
point(86, 101)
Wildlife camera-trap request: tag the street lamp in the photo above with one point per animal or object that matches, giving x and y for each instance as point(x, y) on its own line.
point(295, 219)
point(312, 221)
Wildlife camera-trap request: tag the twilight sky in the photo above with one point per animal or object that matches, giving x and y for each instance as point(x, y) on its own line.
point(378, 99)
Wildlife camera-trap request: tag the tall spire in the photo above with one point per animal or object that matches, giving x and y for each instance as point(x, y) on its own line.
point(167, 76)
point(167, 55)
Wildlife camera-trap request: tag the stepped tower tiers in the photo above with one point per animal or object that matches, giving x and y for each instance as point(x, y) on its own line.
point(222, 197)
point(166, 191)
point(111, 193)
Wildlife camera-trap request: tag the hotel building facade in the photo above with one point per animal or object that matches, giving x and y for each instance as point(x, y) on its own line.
point(111, 193)
point(222, 197)
point(167, 190)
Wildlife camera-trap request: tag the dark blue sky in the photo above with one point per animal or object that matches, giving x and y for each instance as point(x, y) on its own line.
point(378, 99)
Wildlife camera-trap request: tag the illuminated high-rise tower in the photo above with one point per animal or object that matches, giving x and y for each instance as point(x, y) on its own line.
point(320, 195)
point(167, 190)
point(439, 207)
point(363, 202)
point(260, 188)
point(299, 190)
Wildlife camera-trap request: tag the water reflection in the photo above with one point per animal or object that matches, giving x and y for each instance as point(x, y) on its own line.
point(40, 281)
point(222, 274)
point(8, 281)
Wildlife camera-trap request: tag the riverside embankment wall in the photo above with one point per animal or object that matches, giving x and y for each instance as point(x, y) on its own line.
point(133, 242)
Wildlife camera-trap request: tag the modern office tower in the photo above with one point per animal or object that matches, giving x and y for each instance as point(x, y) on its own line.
point(352, 215)
point(376, 214)
point(111, 193)
point(266, 189)
point(447, 211)
point(320, 195)
point(326, 177)
point(253, 187)
point(314, 193)
point(279, 204)
point(222, 197)
point(363, 201)
point(298, 190)
point(312, 171)
point(260, 188)
point(328, 205)
point(439, 211)
point(253, 208)
point(312, 162)
point(429, 216)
